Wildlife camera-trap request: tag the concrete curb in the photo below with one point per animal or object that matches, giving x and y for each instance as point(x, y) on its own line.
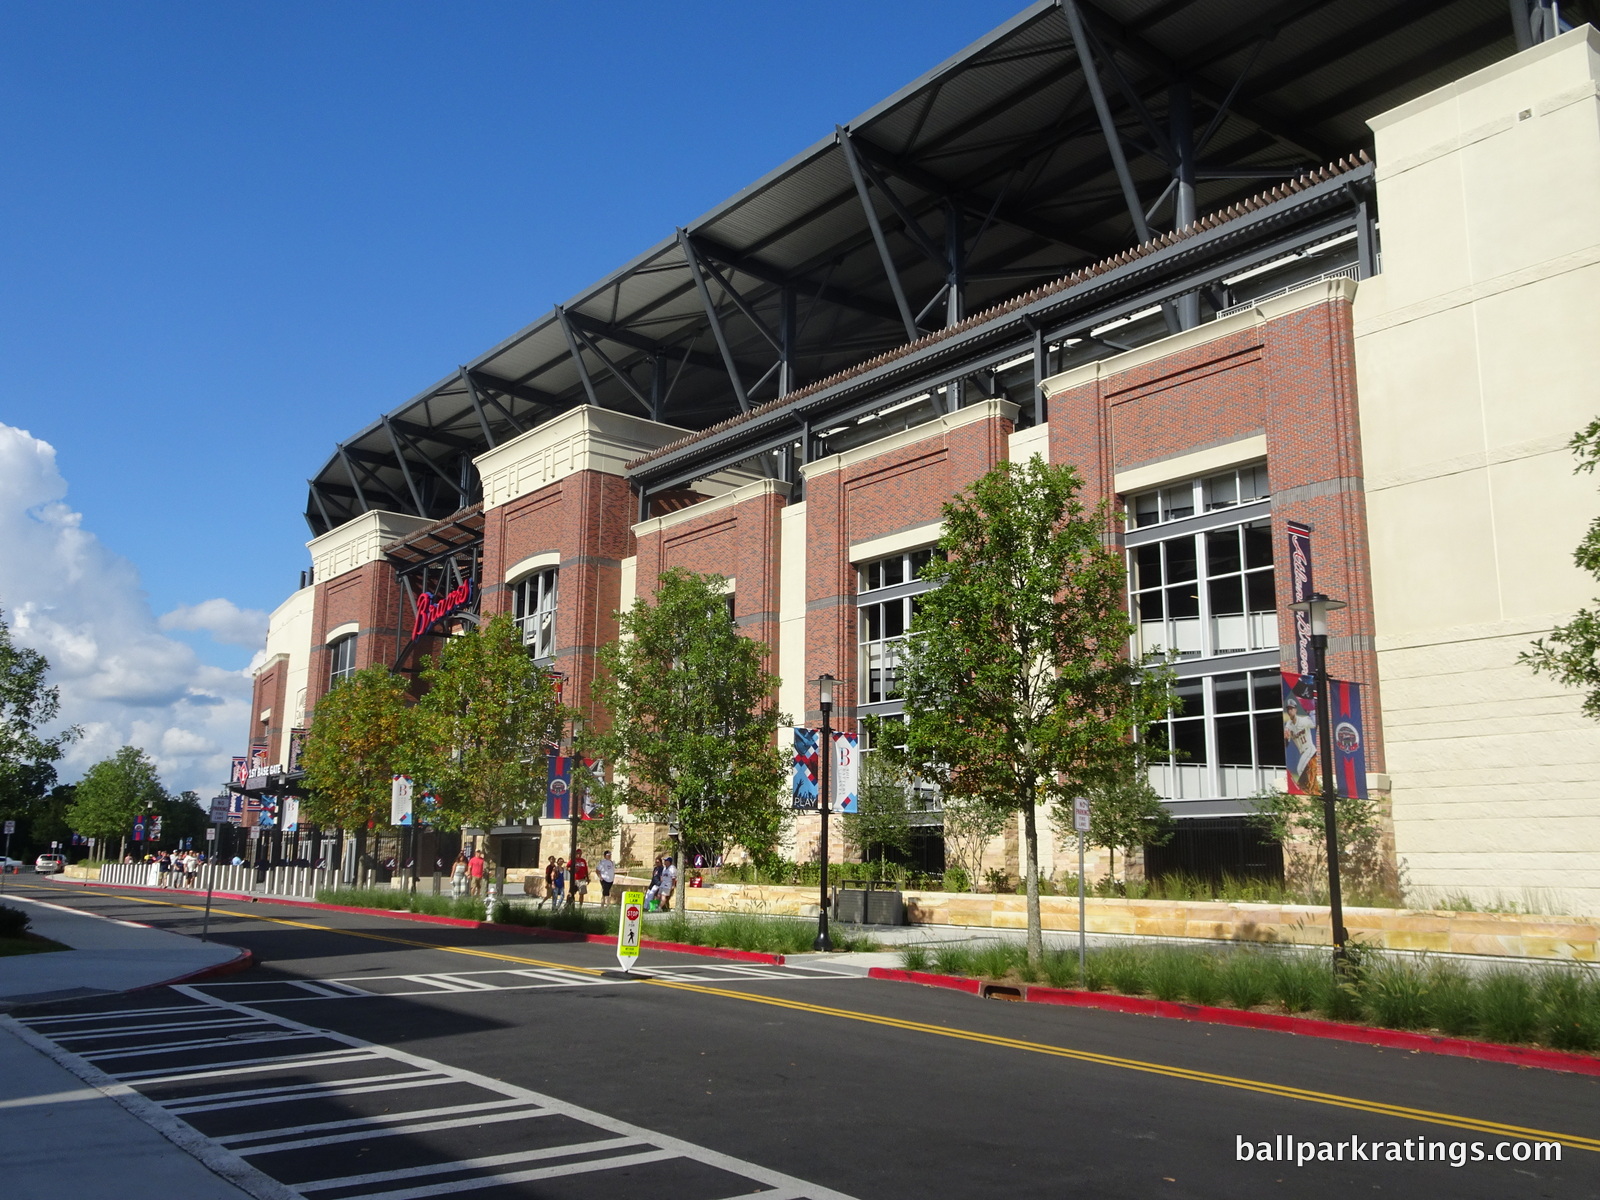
point(533, 931)
point(1389, 1039)
point(242, 961)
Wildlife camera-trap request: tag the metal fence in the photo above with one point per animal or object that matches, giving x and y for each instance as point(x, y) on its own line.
point(300, 882)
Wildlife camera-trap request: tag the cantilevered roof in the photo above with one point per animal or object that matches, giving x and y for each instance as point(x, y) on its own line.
point(994, 168)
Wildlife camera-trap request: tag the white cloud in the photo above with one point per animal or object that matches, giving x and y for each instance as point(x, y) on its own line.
point(224, 620)
point(81, 605)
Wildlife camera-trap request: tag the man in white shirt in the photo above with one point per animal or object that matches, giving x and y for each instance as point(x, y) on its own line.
point(669, 882)
point(606, 870)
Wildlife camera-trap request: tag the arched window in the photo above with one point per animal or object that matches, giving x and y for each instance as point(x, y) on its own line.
point(341, 659)
point(534, 607)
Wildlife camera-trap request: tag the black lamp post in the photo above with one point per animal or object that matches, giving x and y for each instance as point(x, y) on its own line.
point(1317, 608)
point(824, 802)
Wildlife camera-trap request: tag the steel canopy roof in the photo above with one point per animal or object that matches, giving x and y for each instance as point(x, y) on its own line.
point(992, 170)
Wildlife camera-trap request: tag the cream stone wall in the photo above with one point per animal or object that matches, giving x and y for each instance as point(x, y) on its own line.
point(585, 438)
point(358, 542)
point(289, 634)
point(1478, 356)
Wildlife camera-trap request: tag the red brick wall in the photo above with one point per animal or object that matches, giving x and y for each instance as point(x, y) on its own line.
point(1291, 379)
point(271, 691)
point(369, 596)
point(896, 490)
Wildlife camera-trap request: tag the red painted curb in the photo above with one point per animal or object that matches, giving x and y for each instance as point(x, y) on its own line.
point(241, 961)
point(534, 931)
point(1389, 1039)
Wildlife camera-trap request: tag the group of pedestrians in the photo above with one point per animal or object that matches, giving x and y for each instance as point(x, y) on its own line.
point(663, 883)
point(176, 869)
point(466, 874)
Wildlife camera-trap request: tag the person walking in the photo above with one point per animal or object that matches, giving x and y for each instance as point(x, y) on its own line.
point(606, 870)
point(475, 866)
point(458, 876)
point(560, 881)
point(669, 882)
point(550, 878)
point(580, 878)
point(652, 894)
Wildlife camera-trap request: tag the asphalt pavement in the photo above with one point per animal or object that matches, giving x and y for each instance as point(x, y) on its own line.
point(370, 1056)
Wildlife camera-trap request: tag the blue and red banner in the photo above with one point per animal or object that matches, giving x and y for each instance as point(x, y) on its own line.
point(558, 788)
point(1301, 756)
point(806, 742)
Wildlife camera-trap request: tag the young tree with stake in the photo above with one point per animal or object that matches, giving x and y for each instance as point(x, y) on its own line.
point(1017, 681)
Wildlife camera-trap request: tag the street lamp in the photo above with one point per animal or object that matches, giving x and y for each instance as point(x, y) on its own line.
point(824, 800)
point(1317, 608)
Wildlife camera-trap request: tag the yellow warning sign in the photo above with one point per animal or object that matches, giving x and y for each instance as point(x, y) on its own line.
point(628, 929)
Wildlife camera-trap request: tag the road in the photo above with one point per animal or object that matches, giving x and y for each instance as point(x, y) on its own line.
point(373, 1057)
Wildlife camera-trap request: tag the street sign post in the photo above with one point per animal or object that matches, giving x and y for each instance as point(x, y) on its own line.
point(11, 827)
point(1080, 822)
point(632, 908)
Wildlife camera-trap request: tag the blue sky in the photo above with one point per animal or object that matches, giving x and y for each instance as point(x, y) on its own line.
point(234, 233)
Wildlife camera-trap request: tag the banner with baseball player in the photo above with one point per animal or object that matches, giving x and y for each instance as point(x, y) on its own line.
point(1301, 752)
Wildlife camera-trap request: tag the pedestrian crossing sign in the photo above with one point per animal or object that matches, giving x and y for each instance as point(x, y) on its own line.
point(628, 929)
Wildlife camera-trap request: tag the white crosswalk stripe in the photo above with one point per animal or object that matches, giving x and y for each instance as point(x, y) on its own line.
point(322, 1075)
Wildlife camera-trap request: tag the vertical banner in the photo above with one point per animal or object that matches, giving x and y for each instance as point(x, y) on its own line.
point(594, 771)
point(846, 780)
point(297, 744)
point(400, 792)
point(805, 769)
point(291, 814)
point(1301, 752)
point(139, 828)
point(235, 809)
point(241, 771)
point(558, 788)
point(258, 756)
point(1300, 589)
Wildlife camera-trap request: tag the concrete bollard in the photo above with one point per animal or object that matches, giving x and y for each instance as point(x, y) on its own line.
point(489, 900)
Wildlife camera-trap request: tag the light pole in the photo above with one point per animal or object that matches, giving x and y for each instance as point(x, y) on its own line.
point(824, 800)
point(1317, 608)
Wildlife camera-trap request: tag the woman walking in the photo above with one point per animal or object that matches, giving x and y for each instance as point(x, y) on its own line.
point(458, 876)
point(560, 880)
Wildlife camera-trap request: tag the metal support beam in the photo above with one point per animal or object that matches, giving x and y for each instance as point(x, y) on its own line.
point(350, 470)
point(577, 356)
point(955, 264)
point(405, 467)
point(477, 407)
point(743, 305)
point(316, 498)
point(658, 384)
point(1366, 241)
point(454, 484)
point(913, 227)
point(1108, 127)
point(693, 259)
point(877, 233)
point(788, 338)
point(1181, 118)
point(1041, 371)
point(617, 372)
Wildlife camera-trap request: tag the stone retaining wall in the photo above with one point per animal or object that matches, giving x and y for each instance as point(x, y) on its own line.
point(1509, 934)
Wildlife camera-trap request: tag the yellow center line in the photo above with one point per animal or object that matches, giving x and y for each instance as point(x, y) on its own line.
point(1281, 1091)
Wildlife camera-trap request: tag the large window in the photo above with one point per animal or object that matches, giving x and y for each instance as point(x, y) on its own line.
point(1202, 590)
point(341, 659)
point(1226, 734)
point(534, 608)
point(886, 596)
point(1206, 593)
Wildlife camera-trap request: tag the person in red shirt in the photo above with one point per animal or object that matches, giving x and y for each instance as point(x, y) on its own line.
point(580, 877)
point(475, 866)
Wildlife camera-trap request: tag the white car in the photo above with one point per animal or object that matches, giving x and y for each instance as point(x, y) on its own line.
point(50, 864)
point(10, 866)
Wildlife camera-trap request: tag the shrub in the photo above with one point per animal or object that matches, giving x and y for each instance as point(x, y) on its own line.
point(1506, 1008)
point(914, 957)
point(956, 879)
point(13, 921)
point(1452, 1000)
point(993, 960)
point(1125, 969)
point(571, 920)
point(419, 902)
point(1202, 983)
point(1246, 979)
point(952, 960)
point(1395, 993)
point(1569, 1004)
point(1298, 980)
point(1167, 972)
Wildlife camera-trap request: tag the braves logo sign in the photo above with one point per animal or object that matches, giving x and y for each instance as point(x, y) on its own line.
point(430, 610)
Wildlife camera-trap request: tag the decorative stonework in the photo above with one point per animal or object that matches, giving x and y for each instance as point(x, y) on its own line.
point(358, 542)
point(584, 439)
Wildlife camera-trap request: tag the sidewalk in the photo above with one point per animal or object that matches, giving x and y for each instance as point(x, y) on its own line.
point(106, 956)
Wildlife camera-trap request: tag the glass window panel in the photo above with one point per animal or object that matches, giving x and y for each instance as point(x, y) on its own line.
point(1188, 698)
point(1233, 741)
point(1189, 739)
point(1177, 502)
point(894, 570)
point(894, 619)
point(1146, 509)
point(1232, 693)
point(872, 622)
point(1260, 591)
point(1180, 559)
point(1147, 565)
point(1148, 606)
point(1253, 483)
point(1222, 491)
point(1266, 691)
point(920, 559)
point(1227, 596)
point(1183, 602)
point(1269, 739)
point(1222, 551)
point(1258, 544)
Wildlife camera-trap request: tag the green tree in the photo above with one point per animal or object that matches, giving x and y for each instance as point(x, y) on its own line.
point(1298, 823)
point(1016, 677)
point(114, 793)
point(885, 803)
point(1570, 653)
point(693, 733)
point(182, 816)
point(361, 736)
point(27, 757)
point(1125, 812)
point(485, 727)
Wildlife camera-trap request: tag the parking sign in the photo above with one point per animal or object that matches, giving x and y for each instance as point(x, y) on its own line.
point(1080, 814)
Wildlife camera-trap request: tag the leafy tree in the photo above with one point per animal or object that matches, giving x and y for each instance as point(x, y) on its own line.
point(485, 727)
point(27, 757)
point(1125, 812)
point(182, 816)
point(884, 805)
point(970, 823)
point(1299, 824)
point(1571, 653)
point(114, 793)
point(693, 734)
point(361, 736)
point(1016, 676)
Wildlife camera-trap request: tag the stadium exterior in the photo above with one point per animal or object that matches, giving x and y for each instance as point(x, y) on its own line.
point(1242, 264)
